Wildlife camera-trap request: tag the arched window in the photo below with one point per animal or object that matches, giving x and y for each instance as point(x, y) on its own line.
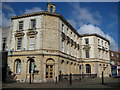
point(88, 68)
point(18, 66)
point(31, 65)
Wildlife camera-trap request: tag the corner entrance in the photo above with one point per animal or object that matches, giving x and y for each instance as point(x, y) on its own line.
point(49, 69)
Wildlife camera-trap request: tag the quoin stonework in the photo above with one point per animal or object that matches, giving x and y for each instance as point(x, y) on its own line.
point(44, 45)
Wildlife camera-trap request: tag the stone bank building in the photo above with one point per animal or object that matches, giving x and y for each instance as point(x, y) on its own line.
point(46, 45)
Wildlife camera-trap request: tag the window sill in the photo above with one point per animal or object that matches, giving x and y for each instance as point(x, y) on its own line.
point(32, 28)
point(19, 30)
point(18, 73)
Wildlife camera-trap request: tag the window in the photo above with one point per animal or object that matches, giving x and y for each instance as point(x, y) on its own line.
point(67, 29)
point(63, 46)
point(19, 43)
point(63, 27)
point(102, 43)
point(21, 25)
point(105, 44)
point(31, 66)
point(112, 54)
point(88, 68)
point(31, 43)
point(87, 53)
point(117, 56)
point(18, 66)
point(86, 41)
point(33, 24)
point(98, 41)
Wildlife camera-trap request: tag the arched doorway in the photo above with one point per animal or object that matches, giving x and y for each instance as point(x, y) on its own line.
point(88, 68)
point(49, 68)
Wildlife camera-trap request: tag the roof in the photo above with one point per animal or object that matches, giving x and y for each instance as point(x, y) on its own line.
point(47, 13)
point(84, 35)
point(114, 52)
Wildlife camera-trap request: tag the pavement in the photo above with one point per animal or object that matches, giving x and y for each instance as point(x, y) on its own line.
point(110, 82)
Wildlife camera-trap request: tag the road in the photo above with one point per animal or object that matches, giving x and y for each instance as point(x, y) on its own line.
point(84, 83)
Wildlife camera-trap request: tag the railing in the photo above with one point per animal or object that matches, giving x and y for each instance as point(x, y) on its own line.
point(66, 77)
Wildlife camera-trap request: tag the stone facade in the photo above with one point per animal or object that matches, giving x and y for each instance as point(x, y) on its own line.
point(57, 48)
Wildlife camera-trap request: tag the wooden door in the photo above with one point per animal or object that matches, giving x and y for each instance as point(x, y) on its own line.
point(49, 71)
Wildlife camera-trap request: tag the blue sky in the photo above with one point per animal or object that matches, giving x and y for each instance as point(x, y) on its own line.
point(85, 17)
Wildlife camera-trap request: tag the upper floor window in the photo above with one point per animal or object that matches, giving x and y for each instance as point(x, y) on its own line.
point(31, 43)
point(117, 56)
point(112, 54)
point(21, 25)
point(86, 41)
point(33, 23)
point(102, 42)
point(105, 44)
point(67, 29)
point(62, 27)
point(63, 46)
point(98, 41)
point(19, 43)
point(87, 53)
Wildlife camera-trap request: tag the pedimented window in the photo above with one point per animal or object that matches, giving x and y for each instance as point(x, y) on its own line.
point(19, 34)
point(32, 32)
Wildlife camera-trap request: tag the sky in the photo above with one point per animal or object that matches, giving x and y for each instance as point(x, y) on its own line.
point(85, 17)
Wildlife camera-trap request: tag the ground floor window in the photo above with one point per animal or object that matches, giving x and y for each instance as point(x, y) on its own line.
point(18, 66)
point(88, 68)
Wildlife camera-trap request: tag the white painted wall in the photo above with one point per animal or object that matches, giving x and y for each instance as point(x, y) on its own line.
point(93, 52)
point(26, 26)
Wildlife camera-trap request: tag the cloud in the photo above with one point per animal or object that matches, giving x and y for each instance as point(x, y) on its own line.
point(5, 21)
point(34, 9)
point(9, 11)
point(92, 29)
point(83, 15)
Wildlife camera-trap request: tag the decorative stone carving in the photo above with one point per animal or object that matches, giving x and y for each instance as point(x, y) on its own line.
point(18, 34)
point(86, 47)
point(32, 33)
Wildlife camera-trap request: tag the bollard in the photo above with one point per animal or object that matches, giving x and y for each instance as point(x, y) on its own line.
point(70, 79)
point(56, 79)
point(30, 79)
point(102, 77)
point(80, 78)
